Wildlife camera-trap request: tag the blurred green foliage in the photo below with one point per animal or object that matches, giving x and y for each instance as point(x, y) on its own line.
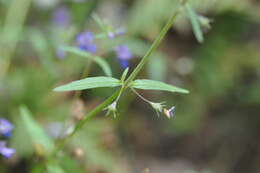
point(216, 126)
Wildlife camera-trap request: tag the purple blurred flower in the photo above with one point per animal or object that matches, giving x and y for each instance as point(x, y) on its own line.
point(61, 17)
point(124, 55)
point(123, 52)
point(85, 40)
point(5, 127)
point(124, 63)
point(5, 151)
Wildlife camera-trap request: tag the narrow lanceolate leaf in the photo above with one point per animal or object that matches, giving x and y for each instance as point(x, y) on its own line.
point(99, 60)
point(146, 84)
point(88, 83)
point(194, 19)
point(42, 142)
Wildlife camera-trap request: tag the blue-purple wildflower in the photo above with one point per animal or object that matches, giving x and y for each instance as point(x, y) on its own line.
point(5, 151)
point(61, 17)
point(85, 41)
point(5, 127)
point(124, 55)
point(170, 112)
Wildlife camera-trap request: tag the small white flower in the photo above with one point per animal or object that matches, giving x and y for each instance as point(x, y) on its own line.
point(111, 109)
point(169, 112)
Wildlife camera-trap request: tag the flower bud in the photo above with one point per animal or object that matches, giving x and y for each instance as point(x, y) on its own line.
point(111, 109)
point(158, 107)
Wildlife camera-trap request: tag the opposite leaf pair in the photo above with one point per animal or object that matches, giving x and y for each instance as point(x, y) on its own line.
point(99, 82)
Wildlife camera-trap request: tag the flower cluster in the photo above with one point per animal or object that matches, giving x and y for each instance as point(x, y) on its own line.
point(6, 131)
point(85, 42)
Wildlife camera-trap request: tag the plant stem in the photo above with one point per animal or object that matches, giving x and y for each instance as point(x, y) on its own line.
point(154, 46)
point(81, 123)
point(114, 96)
point(139, 95)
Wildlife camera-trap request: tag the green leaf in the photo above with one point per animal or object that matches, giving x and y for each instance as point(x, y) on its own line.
point(88, 83)
point(194, 19)
point(40, 139)
point(123, 77)
point(146, 84)
point(99, 60)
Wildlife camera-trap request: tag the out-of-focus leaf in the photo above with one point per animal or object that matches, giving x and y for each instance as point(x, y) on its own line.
point(40, 44)
point(146, 84)
point(21, 140)
point(97, 156)
point(194, 19)
point(54, 168)
point(88, 83)
point(69, 164)
point(38, 168)
point(99, 60)
point(42, 142)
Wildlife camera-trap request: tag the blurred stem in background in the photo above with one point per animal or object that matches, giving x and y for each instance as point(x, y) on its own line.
point(114, 96)
point(13, 25)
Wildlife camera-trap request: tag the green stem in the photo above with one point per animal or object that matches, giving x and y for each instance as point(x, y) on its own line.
point(139, 95)
point(109, 100)
point(154, 46)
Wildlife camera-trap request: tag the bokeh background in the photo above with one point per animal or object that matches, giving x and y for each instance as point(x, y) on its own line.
point(215, 129)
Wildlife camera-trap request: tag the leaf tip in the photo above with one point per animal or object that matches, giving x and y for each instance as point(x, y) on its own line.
point(184, 91)
point(57, 89)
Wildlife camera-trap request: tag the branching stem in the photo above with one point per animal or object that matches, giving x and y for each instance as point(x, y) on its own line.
point(116, 95)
